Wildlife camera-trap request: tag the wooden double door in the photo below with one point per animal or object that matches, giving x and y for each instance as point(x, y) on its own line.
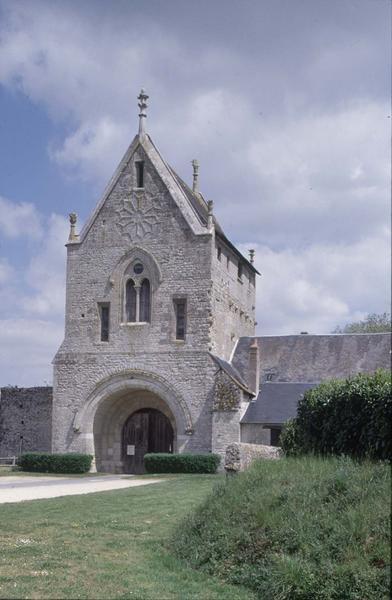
point(147, 430)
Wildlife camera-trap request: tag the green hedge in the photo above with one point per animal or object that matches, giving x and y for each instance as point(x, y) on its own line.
point(350, 416)
point(44, 462)
point(181, 463)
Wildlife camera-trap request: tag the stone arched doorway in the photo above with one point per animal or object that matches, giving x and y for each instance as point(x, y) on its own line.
point(129, 424)
point(99, 424)
point(146, 430)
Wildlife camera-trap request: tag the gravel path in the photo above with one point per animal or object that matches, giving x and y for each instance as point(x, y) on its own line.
point(20, 489)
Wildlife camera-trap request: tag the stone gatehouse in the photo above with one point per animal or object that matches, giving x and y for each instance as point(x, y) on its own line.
point(154, 290)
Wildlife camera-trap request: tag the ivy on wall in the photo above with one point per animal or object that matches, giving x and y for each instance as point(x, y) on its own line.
point(227, 396)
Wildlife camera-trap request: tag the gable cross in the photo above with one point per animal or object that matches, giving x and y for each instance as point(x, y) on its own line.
point(142, 104)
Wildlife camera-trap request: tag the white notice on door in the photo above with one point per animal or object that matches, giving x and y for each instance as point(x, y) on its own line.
point(131, 450)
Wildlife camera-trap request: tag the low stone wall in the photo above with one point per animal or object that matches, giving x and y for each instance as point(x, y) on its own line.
point(239, 455)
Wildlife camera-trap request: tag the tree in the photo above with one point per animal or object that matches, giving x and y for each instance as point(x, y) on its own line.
point(372, 323)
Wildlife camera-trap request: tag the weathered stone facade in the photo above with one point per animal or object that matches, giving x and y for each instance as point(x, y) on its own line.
point(169, 230)
point(25, 420)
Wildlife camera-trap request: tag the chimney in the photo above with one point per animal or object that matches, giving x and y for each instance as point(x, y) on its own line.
point(254, 367)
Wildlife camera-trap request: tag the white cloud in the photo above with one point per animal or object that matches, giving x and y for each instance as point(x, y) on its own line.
point(90, 151)
point(46, 271)
point(19, 219)
point(6, 271)
point(26, 350)
point(32, 297)
point(319, 178)
point(317, 288)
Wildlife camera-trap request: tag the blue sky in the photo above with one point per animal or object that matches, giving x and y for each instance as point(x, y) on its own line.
point(285, 103)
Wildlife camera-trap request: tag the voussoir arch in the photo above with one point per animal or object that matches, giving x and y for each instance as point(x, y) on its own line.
point(132, 380)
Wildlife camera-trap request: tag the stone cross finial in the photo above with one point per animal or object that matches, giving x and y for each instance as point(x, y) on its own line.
point(251, 256)
point(72, 221)
point(142, 104)
point(195, 166)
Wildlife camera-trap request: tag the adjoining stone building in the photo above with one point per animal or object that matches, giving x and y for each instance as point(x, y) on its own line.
point(288, 365)
point(158, 353)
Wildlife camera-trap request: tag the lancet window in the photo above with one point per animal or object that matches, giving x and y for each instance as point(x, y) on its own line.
point(137, 296)
point(130, 301)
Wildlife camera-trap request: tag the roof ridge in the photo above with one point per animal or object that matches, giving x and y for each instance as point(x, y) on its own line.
point(308, 335)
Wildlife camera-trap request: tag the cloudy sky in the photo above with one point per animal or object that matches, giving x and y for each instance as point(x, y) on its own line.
point(285, 103)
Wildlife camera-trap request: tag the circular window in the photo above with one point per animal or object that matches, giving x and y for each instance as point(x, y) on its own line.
point(138, 268)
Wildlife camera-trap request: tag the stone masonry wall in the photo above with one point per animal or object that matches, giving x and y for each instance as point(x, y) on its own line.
point(77, 375)
point(233, 301)
point(178, 254)
point(25, 420)
point(254, 433)
point(92, 274)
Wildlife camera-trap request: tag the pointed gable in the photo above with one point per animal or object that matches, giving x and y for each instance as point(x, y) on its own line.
point(191, 204)
point(192, 215)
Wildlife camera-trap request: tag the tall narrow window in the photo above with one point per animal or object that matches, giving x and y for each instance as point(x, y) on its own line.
point(145, 304)
point(139, 165)
point(180, 311)
point(219, 253)
point(104, 314)
point(130, 301)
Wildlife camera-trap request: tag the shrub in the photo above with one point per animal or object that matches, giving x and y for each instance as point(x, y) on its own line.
point(350, 416)
point(295, 529)
point(181, 463)
point(44, 462)
point(289, 438)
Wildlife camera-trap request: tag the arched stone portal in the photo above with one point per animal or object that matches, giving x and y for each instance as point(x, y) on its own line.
point(110, 421)
point(99, 424)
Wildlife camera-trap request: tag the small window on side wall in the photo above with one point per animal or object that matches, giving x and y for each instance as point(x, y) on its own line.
point(139, 166)
point(180, 312)
point(219, 253)
point(104, 313)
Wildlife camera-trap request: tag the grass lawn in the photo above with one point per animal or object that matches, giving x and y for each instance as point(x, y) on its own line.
point(105, 545)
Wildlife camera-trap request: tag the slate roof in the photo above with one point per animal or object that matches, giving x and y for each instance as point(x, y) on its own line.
point(314, 358)
point(275, 403)
point(291, 364)
point(232, 373)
